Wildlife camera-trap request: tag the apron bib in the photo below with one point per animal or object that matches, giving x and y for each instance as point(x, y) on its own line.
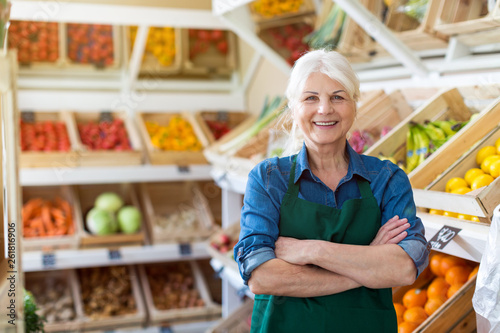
point(360, 310)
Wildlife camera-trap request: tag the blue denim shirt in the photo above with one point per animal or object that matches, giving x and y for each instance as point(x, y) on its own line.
point(268, 183)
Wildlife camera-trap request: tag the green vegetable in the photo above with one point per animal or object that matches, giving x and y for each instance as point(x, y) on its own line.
point(329, 33)
point(101, 222)
point(129, 219)
point(32, 321)
point(269, 113)
point(109, 201)
point(415, 9)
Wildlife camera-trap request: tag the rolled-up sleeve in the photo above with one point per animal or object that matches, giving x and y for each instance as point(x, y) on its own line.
point(399, 201)
point(259, 223)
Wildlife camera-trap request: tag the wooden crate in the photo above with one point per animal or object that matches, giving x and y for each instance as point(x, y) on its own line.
point(88, 157)
point(447, 104)
point(455, 312)
point(162, 200)
point(50, 243)
point(52, 159)
point(150, 66)
point(13, 42)
point(158, 156)
point(231, 119)
point(210, 63)
point(233, 231)
point(386, 110)
point(458, 155)
point(462, 17)
point(48, 280)
point(92, 66)
point(306, 8)
point(237, 322)
point(86, 194)
point(126, 320)
point(208, 311)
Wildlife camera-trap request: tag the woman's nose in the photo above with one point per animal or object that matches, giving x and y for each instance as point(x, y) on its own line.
point(325, 107)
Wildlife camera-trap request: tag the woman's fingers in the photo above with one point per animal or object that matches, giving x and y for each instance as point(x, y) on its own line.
point(392, 232)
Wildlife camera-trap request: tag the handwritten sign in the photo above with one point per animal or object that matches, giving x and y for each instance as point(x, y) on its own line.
point(443, 237)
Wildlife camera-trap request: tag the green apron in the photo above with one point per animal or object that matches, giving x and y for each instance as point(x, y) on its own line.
point(360, 310)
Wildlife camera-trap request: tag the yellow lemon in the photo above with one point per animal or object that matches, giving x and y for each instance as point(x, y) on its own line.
point(495, 169)
point(497, 145)
point(471, 174)
point(481, 180)
point(435, 211)
point(488, 161)
point(485, 152)
point(454, 183)
point(464, 216)
point(474, 218)
point(449, 214)
point(461, 190)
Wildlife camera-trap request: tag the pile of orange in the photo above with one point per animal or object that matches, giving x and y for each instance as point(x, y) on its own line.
point(450, 274)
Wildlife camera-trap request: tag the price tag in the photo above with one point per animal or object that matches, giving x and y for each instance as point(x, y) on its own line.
point(28, 116)
point(105, 116)
point(222, 116)
point(183, 169)
point(185, 249)
point(114, 255)
point(443, 237)
point(48, 260)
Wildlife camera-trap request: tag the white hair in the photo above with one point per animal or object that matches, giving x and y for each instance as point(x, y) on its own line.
point(330, 63)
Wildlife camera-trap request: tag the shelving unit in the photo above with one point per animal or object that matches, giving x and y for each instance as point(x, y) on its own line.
point(459, 64)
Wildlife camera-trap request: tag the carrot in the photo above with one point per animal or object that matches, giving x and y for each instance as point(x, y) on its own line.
point(37, 225)
point(47, 219)
point(44, 218)
point(30, 208)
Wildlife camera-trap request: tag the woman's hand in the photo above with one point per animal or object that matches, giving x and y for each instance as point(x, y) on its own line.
point(292, 250)
point(393, 232)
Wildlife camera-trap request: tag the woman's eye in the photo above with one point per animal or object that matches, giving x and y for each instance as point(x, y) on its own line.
point(311, 98)
point(337, 98)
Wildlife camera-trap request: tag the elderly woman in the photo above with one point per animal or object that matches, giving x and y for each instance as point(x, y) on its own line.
point(326, 233)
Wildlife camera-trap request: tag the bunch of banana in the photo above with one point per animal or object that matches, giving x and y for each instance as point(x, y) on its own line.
point(417, 146)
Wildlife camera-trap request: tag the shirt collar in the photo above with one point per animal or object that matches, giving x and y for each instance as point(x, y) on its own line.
point(356, 165)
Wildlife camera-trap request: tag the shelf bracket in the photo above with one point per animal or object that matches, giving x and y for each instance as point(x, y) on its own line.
point(456, 49)
point(376, 29)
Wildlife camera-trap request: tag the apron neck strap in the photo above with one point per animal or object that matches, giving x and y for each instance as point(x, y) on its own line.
point(364, 188)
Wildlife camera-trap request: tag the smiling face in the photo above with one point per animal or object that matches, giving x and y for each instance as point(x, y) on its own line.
point(325, 112)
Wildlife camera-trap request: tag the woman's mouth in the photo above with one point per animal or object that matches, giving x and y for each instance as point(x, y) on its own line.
point(325, 123)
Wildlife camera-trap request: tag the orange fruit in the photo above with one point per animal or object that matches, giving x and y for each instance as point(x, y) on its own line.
point(406, 327)
point(433, 304)
point(485, 152)
point(457, 274)
point(449, 262)
point(461, 190)
point(433, 211)
point(474, 218)
point(400, 310)
point(488, 161)
point(464, 216)
point(473, 272)
point(453, 289)
point(416, 315)
point(414, 297)
point(471, 174)
point(438, 288)
point(495, 169)
point(481, 180)
point(435, 263)
point(454, 183)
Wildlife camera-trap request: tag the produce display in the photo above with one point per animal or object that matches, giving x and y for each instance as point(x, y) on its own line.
point(218, 128)
point(424, 139)
point(35, 41)
point(161, 44)
point(288, 40)
point(184, 218)
point(272, 8)
point(173, 286)
point(329, 32)
point(450, 273)
point(42, 218)
point(224, 242)
point(53, 297)
point(177, 135)
point(90, 44)
point(360, 141)
point(44, 136)
point(33, 322)
point(106, 292)
point(104, 135)
point(110, 215)
point(201, 41)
